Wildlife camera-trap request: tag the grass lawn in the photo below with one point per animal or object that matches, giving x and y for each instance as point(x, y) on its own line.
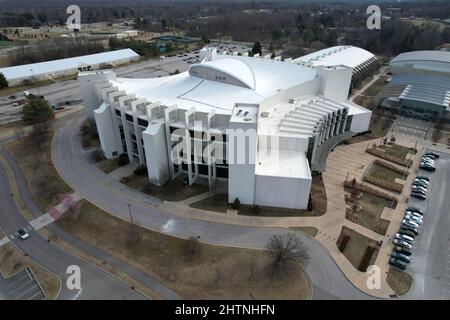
point(20, 88)
point(217, 203)
point(397, 151)
point(399, 280)
point(175, 190)
point(5, 44)
point(108, 165)
point(356, 247)
point(137, 182)
point(382, 173)
point(13, 261)
point(215, 272)
point(375, 88)
point(44, 182)
point(371, 209)
point(311, 231)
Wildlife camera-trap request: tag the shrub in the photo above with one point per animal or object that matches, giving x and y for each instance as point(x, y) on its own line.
point(236, 204)
point(141, 170)
point(123, 159)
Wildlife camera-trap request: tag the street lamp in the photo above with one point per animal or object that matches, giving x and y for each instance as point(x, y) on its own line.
point(129, 210)
point(35, 82)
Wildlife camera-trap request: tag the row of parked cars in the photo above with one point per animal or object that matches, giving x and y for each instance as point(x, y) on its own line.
point(404, 239)
point(428, 161)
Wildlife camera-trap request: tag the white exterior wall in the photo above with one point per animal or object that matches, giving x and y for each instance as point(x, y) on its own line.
point(335, 83)
point(88, 90)
point(360, 122)
point(106, 131)
point(156, 153)
point(282, 192)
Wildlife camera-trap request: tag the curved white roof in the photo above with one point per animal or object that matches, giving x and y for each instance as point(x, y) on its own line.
point(236, 68)
point(263, 78)
point(347, 56)
point(426, 55)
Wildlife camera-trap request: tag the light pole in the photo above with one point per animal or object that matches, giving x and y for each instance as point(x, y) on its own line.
point(35, 82)
point(131, 216)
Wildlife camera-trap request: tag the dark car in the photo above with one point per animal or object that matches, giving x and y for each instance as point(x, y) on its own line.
point(400, 256)
point(414, 210)
point(404, 227)
point(418, 195)
point(397, 263)
point(403, 250)
point(427, 168)
point(23, 234)
point(434, 154)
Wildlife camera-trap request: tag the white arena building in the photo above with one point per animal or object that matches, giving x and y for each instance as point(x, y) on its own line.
point(264, 125)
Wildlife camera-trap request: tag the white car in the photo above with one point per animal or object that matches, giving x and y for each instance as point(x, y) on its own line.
point(410, 223)
point(414, 214)
point(402, 243)
point(23, 234)
point(418, 188)
point(404, 237)
point(414, 218)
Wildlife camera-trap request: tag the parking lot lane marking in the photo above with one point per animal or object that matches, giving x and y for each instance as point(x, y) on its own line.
point(16, 280)
point(11, 236)
point(33, 287)
point(37, 293)
point(20, 287)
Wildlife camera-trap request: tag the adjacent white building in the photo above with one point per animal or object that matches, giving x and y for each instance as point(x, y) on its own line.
point(264, 125)
point(65, 67)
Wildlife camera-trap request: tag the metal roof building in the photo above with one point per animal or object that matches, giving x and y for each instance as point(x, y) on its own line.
point(63, 67)
point(362, 62)
point(426, 62)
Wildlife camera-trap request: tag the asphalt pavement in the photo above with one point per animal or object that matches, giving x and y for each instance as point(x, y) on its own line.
point(430, 262)
point(124, 267)
point(95, 283)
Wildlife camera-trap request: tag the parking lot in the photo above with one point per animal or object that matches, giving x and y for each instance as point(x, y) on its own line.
point(21, 286)
point(430, 260)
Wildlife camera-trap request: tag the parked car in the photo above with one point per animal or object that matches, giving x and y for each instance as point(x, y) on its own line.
point(419, 188)
point(428, 161)
point(415, 210)
point(423, 178)
point(427, 167)
point(419, 191)
point(434, 154)
point(420, 183)
point(23, 234)
point(404, 250)
point(402, 243)
point(412, 213)
point(406, 228)
point(397, 263)
point(432, 159)
point(418, 195)
point(408, 233)
point(410, 223)
point(400, 256)
point(414, 218)
point(404, 237)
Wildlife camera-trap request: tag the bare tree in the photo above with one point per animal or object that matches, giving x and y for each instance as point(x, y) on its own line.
point(38, 135)
point(284, 250)
point(19, 132)
point(192, 249)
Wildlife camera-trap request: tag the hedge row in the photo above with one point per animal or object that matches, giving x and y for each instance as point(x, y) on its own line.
point(383, 155)
point(365, 188)
point(388, 185)
point(391, 167)
point(368, 258)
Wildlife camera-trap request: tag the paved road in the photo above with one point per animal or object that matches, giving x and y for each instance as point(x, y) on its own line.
point(81, 245)
point(431, 258)
point(95, 283)
point(328, 280)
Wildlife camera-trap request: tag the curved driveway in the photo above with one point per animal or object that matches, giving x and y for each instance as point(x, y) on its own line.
point(95, 283)
point(95, 186)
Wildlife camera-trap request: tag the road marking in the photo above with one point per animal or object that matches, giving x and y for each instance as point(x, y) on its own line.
point(11, 236)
